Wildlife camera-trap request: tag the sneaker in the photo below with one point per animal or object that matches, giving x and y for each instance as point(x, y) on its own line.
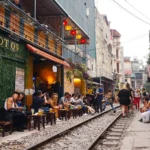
point(58, 120)
point(85, 114)
point(141, 120)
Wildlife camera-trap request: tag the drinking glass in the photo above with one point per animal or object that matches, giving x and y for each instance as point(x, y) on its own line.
point(32, 111)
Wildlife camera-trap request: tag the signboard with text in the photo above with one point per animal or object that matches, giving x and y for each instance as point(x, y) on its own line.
point(19, 81)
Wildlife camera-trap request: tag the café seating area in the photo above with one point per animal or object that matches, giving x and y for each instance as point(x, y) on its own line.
point(39, 120)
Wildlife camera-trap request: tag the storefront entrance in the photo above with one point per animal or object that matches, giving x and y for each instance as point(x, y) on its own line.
point(47, 75)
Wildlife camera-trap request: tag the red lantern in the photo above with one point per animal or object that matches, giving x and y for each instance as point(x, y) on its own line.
point(73, 32)
point(65, 22)
point(83, 41)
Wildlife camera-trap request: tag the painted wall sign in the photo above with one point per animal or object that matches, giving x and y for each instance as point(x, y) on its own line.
point(19, 81)
point(9, 44)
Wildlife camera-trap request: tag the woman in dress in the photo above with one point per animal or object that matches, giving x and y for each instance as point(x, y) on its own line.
point(124, 97)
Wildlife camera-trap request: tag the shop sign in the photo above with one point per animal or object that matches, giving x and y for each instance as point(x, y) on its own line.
point(54, 69)
point(8, 44)
point(19, 82)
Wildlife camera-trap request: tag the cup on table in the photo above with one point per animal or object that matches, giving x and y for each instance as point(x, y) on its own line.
point(50, 110)
point(32, 111)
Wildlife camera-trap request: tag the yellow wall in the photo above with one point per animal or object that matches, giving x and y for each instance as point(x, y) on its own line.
point(83, 87)
point(29, 81)
point(68, 86)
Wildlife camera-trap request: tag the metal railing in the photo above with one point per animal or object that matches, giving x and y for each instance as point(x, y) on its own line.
point(73, 57)
point(19, 23)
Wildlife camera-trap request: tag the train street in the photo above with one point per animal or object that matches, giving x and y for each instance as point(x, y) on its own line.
point(74, 75)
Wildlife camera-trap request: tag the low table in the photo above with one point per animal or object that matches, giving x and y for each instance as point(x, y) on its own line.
point(37, 120)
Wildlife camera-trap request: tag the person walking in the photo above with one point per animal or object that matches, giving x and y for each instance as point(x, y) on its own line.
point(132, 96)
point(124, 97)
point(109, 101)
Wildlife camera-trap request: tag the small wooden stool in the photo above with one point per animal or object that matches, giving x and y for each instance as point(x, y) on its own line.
point(37, 119)
point(64, 113)
point(50, 117)
point(73, 113)
point(79, 112)
point(4, 124)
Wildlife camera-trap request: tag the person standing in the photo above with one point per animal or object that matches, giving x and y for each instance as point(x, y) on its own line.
point(124, 97)
point(137, 99)
point(99, 98)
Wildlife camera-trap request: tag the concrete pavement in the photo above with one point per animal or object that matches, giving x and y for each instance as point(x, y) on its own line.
point(137, 135)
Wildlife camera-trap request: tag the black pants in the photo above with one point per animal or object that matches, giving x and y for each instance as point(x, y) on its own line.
point(17, 118)
point(99, 104)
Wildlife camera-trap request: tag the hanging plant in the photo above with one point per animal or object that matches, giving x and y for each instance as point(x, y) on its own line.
point(77, 73)
point(69, 75)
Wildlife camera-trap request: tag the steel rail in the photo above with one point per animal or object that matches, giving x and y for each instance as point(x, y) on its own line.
point(45, 141)
point(92, 146)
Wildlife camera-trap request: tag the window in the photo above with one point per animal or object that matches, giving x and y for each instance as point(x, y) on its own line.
point(103, 58)
point(92, 66)
point(87, 11)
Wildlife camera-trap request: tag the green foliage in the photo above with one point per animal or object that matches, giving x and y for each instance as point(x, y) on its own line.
point(79, 71)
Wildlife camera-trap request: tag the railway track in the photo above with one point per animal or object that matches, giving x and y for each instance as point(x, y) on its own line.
point(80, 136)
point(110, 138)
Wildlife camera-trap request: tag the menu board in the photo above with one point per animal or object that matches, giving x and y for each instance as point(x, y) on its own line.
point(19, 81)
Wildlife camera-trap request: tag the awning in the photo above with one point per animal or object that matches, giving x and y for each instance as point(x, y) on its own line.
point(46, 55)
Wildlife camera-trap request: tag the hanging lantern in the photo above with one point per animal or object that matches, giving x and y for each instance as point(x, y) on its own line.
point(83, 41)
point(73, 32)
point(65, 22)
point(78, 36)
point(68, 27)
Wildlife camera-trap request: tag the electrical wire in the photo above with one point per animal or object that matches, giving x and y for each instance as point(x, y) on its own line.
point(131, 13)
point(137, 10)
point(136, 38)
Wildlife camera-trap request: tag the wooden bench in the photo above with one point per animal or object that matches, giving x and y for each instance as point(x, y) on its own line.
point(4, 124)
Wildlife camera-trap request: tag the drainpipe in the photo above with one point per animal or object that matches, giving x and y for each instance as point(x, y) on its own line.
point(35, 9)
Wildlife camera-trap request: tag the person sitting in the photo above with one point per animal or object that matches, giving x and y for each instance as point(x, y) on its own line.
point(38, 101)
point(79, 101)
point(53, 102)
point(72, 100)
point(64, 102)
point(17, 3)
point(21, 103)
point(145, 111)
point(13, 113)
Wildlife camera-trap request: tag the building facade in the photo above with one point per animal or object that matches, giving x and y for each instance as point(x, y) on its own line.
point(83, 13)
point(118, 57)
point(127, 69)
point(34, 47)
point(104, 64)
point(138, 77)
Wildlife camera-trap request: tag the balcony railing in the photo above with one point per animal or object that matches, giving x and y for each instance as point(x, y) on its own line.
point(73, 57)
point(18, 23)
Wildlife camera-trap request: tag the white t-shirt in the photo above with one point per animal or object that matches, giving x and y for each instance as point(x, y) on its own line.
point(72, 100)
